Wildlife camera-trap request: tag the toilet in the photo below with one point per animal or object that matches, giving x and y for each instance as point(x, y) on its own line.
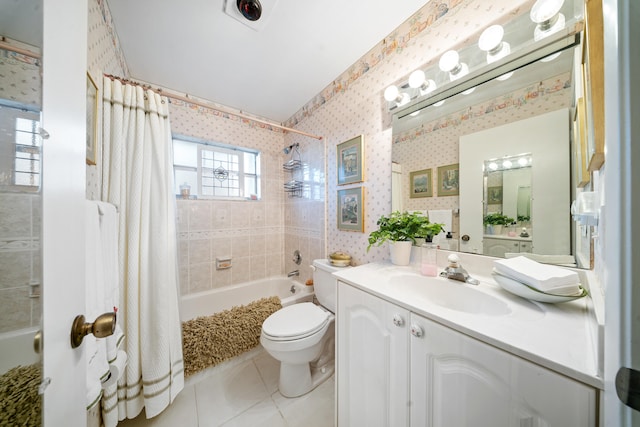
point(302, 336)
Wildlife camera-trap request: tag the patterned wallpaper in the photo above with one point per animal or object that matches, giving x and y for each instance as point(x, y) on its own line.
point(355, 105)
point(20, 79)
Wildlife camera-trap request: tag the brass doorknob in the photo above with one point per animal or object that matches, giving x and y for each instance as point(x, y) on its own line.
point(104, 326)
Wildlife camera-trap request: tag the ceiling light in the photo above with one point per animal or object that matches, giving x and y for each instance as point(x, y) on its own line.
point(417, 79)
point(250, 9)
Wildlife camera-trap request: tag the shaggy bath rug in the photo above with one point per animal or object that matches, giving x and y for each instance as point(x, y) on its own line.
point(19, 400)
point(209, 340)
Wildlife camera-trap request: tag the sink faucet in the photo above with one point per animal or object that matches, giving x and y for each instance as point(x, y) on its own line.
point(455, 271)
point(293, 273)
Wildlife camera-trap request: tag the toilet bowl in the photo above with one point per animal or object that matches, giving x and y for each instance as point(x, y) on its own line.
point(302, 337)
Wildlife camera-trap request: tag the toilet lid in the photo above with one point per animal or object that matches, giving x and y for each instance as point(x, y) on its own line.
point(297, 320)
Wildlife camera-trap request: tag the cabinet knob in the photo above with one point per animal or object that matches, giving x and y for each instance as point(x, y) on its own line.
point(416, 331)
point(398, 320)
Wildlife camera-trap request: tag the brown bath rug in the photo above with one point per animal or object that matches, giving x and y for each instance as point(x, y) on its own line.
point(209, 340)
point(20, 404)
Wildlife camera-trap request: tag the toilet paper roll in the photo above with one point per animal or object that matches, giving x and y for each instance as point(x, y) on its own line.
point(116, 369)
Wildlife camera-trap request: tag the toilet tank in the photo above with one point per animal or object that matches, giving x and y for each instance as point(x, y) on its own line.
point(325, 285)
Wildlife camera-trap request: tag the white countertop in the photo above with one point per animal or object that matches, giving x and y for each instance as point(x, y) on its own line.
point(559, 337)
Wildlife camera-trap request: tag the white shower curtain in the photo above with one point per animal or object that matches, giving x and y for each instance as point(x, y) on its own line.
point(138, 178)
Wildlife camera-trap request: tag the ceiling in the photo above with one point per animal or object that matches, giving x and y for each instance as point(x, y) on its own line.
point(194, 47)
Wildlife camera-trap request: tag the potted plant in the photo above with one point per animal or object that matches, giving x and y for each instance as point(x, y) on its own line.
point(401, 229)
point(495, 221)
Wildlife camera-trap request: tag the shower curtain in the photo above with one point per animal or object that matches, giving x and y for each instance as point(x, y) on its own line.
point(138, 178)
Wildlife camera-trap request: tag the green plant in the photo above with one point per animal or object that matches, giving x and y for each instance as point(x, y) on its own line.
point(497, 218)
point(524, 218)
point(402, 226)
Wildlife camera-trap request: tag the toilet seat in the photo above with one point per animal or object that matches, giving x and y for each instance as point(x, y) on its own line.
point(294, 322)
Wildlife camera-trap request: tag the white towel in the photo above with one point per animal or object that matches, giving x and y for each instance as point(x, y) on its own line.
point(441, 216)
point(95, 350)
point(545, 278)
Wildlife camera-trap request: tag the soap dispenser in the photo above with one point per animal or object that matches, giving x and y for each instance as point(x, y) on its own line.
point(452, 244)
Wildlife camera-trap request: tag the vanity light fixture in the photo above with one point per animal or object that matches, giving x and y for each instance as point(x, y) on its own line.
point(493, 166)
point(392, 94)
point(546, 14)
point(418, 80)
point(491, 42)
point(450, 63)
point(522, 161)
point(507, 164)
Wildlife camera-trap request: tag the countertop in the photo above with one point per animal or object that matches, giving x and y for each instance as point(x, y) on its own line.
point(559, 337)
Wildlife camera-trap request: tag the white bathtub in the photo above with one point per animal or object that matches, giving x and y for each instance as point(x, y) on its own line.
point(16, 348)
point(216, 300)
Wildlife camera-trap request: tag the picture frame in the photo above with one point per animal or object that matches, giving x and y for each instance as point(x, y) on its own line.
point(449, 180)
point(351, 209)
point(350, 161)
point(494, 195)
point(92, 119)
point(420, 184)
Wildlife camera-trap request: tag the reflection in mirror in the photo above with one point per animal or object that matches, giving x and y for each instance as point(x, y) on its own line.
point(500, 118)
point(20, 209)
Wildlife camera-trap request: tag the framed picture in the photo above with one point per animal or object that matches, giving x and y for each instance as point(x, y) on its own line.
point(92, 120)
point(350, 209)
point(420, 184)
point(449, 180)
point(494, 195)
point(350, 161)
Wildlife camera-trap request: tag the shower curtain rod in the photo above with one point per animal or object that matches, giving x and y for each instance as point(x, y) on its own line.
point(186, 98)
point(6, 46)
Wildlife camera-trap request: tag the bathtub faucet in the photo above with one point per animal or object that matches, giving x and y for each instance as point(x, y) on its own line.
point(293, 273)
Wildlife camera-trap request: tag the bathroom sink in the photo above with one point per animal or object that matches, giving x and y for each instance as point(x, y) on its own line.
point(456, 296)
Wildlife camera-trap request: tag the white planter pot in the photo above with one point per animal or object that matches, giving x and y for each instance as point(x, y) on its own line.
point(400, 252)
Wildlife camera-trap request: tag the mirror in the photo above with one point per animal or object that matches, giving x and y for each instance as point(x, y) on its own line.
point(467, 132)
point(20, 199)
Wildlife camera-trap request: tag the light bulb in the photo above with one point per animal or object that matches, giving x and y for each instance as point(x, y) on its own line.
point(491, 42)
point(522, 161)
point(546, 13)
point(404, 99)
point(507, 164)
point(449, 61)
point(493, 166)
point(417, 79)
point(391, 93)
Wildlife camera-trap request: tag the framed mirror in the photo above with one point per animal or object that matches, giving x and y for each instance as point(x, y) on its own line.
point(500, 113)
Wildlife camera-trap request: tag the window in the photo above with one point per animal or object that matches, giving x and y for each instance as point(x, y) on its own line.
point(215, 170)
point(20, 148)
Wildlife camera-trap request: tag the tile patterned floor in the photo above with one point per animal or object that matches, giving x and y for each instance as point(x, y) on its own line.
point(243, 392)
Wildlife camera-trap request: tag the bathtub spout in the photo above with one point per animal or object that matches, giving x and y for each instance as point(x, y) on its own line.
point(293, 273)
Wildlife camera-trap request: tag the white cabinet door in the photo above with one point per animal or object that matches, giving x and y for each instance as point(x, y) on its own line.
point(459, 381)
point(372, 370)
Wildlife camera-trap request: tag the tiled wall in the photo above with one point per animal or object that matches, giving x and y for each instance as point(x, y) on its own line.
point(20, 214)
point(20, 260)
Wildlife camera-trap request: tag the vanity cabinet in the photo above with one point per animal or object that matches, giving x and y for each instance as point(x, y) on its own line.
point(397, 368)
point(497, 247)
point(372, 355)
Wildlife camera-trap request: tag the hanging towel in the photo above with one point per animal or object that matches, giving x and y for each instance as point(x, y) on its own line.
point(545, 278)
point(441, 216)
point(95, 350)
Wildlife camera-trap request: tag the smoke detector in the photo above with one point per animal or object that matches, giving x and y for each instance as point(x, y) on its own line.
point(250, 7)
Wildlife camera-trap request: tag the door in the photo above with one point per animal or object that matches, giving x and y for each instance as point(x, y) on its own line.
point(372, 369)
point(622, 203)
point(63, 207)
